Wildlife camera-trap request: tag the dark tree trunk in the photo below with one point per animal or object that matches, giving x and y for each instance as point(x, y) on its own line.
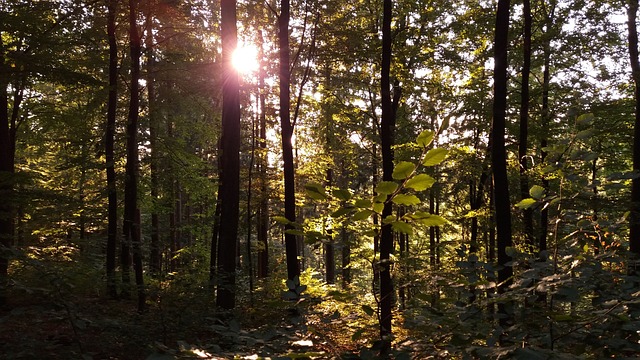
point(131, 224)
point(263, 218)
point(291, 246)
point(112, 194)
point(346, 258)
point(155, 257)
point(213, 259)
point(634, 226)
point(524, 124)
point(498, 151)
point(230, 146)
point(386, 134)
point(546, 115)
point(6, 186)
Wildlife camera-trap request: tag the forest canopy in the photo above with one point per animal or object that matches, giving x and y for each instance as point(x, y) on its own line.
point(405, 179)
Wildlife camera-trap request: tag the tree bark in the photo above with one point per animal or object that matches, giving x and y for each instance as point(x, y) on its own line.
point(524, 124)
point(386, 134)
point(130, 223)
point(291, 246)
point(112, 194)
point(230, 145)
point(263, 218)
point(498, 151)
point(6, 182)
point(634, 226)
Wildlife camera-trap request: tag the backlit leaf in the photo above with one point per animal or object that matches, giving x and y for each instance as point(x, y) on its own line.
point(537, 192)
point(526, 203)
point(403, 170)
point(403, 227)
point(406, 199)
point(425, 138)
point(342, 194)
point(386, 187)
point(362, 214)
point(315, 191)
point(434, 157)
point(420, 182)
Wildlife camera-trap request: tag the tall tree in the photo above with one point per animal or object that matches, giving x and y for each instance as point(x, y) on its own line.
point(112, 194)
point(524, 122)
point(498, 151)
point(386, 134)
point(291, 246)
point(263, 217)
point(230, 160)
point(131, 224)
point(6, 178)
point(634, 227)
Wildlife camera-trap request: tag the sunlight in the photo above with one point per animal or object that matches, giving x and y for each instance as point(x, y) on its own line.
point(245, 58)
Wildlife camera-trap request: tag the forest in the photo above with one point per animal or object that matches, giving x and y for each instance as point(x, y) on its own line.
point(300, 179)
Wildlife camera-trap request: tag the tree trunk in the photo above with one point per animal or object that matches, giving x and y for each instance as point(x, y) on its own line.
point(498, 151)
point(386, 134)
point(6, 185)
point(155, 257)
point(346, 258)
point(263, 212)
point(230, 146)
point(291, 246)
point(131, 224)
point(112, 194)
point(546, 115)
point(634, 225)
point(524, 124)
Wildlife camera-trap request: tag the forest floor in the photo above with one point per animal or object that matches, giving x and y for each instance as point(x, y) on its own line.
point(180, 326)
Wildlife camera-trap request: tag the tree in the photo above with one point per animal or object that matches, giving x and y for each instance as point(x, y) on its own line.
point(131, 223)
point(386, 135)
point(498, 151)
point(634, 226)
point(112, 194)
point(291, 246)
point(230, 160)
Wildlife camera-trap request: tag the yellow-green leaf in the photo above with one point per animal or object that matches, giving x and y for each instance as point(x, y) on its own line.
point(362, 215)
point(406, 199)
point(420, 182)
point(526, 203)
point(341, 194)
point(386, 187)
point(434, 157)
point(425, 138)
point(537, 192)
point(403, 170)
point(403, 227)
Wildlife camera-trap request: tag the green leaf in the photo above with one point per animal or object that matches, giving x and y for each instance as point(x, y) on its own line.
point(405, 199)
point(425, 138)
point(434, 157)
point(340, 212)
point(315, 191)
point(403, 227)
point(362, 215)
point(433, 220)
point(403, 170)
point(389, 219)
point(386, 187)
point(362, 203)
point(378, 207)
point(584, 134)
point(341, 194)
point(537, 192)
point(420, 182)
point(295, 232)
point(282, 220)
point(526, 203)
point(368, 310)
point(585, 119)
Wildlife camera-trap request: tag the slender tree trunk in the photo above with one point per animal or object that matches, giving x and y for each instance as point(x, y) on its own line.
point(524, 124)
point(112, 194)
point(291, 246)
point(230, 145)
point(346, 258)
point(387, 129)
point(249, 261)
point(634, 225)
point(130, 224)
point(498, 153)
point(263, 220)
point(213, 259)
point(546, 115)
point(6, 186)
point(155, 256)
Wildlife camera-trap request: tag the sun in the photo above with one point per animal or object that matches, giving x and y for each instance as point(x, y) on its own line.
point(245, 58)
